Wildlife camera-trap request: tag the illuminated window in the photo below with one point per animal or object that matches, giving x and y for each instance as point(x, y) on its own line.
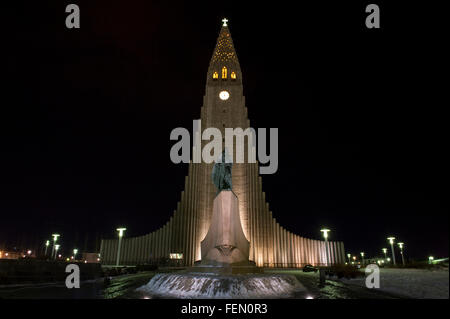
point(224, 73)
point(233, 76)
point(215, 75)
point(176, 256)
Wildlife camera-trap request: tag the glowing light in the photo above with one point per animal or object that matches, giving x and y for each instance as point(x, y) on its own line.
point(224, 95)
point(309, 297)
point(29, 252)
point(75, 252)
point(67, 259)
point(388, 259)
point(325, 232)
point(233, 76)
point(224, 73)
point(354, 257)
point(384, 250)
point(401, 245)
point(215, 75)
point(6, 254)
point(47, 243)
point(224, 20)
point(391, 240)
point(59, 256)
point(55, 237)
point(362, 254)
point(57, 247)
point(121, 231)
point(85, 261)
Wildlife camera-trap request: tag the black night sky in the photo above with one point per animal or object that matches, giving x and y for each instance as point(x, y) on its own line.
point(87, 114)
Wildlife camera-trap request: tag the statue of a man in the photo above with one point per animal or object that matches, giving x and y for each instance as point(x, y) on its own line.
point(221, 173)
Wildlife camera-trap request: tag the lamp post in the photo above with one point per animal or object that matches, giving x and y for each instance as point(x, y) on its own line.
point(325, 235)
point(385, 253)
point(430, 259)
point(56, 250)
point(401, 252)
point(391, 241)
point(121, 231)
point(55, 239)
point(47, 243)
point(362, 256)
point(349, 256)
point(75, 251)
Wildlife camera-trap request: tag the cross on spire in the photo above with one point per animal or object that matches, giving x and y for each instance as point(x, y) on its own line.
point(224, 20)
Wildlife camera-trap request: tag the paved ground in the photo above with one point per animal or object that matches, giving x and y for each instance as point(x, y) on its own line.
point(334, 289)
point(125, 286)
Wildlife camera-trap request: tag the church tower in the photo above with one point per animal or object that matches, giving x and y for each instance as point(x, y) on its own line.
point(271, 245)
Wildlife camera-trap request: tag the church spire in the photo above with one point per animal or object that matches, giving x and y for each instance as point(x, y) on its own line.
point(224, 63)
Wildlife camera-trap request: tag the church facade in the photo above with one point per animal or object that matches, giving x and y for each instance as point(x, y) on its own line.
point(271, 245)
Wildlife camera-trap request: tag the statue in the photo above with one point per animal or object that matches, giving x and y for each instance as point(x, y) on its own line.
point(221, 173)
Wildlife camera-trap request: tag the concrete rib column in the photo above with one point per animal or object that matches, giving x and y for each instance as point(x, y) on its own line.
point(159, 242)
point(252, 213)
point(277, 243)
point(194, 213)
point(183, 223)
point(270, 237)
point(189, 238)
point(310, 253)
point(264, 229)
point(258, 225)
point(274, 242)
point(166, 232)
point(284, 248)
point(289, 250)
point(186, 221)
point(189, 223)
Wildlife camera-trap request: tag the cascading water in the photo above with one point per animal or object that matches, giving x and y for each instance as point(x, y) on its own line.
point(194, 285)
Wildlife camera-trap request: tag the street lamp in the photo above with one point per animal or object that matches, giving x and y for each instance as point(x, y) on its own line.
point(325, 235)
point(47, 243)
point(75, 251)
point(362, 256)
point(401, 252)
point(121, 231)
point(349, 256)
point(56, 250)
point(430, 259)
point(55, 239)
point(391, 241)
point(385, 253)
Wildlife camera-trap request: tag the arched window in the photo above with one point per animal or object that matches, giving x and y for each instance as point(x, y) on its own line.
point(215, 75)
point(233, 76)
point(224, 73)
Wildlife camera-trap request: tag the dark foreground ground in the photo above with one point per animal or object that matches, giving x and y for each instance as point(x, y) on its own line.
point(124, 287)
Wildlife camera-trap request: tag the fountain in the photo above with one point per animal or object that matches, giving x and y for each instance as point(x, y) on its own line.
point(225, 270)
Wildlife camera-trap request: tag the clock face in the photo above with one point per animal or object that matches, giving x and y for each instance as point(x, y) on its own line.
point(224, 95)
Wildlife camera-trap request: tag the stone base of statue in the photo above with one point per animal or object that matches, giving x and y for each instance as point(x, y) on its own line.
point(225, 242)
point(225, 249)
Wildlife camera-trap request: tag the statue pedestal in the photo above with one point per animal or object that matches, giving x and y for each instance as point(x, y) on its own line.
point(225, 243)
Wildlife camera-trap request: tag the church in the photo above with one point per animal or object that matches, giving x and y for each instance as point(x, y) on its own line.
point(180, 238)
